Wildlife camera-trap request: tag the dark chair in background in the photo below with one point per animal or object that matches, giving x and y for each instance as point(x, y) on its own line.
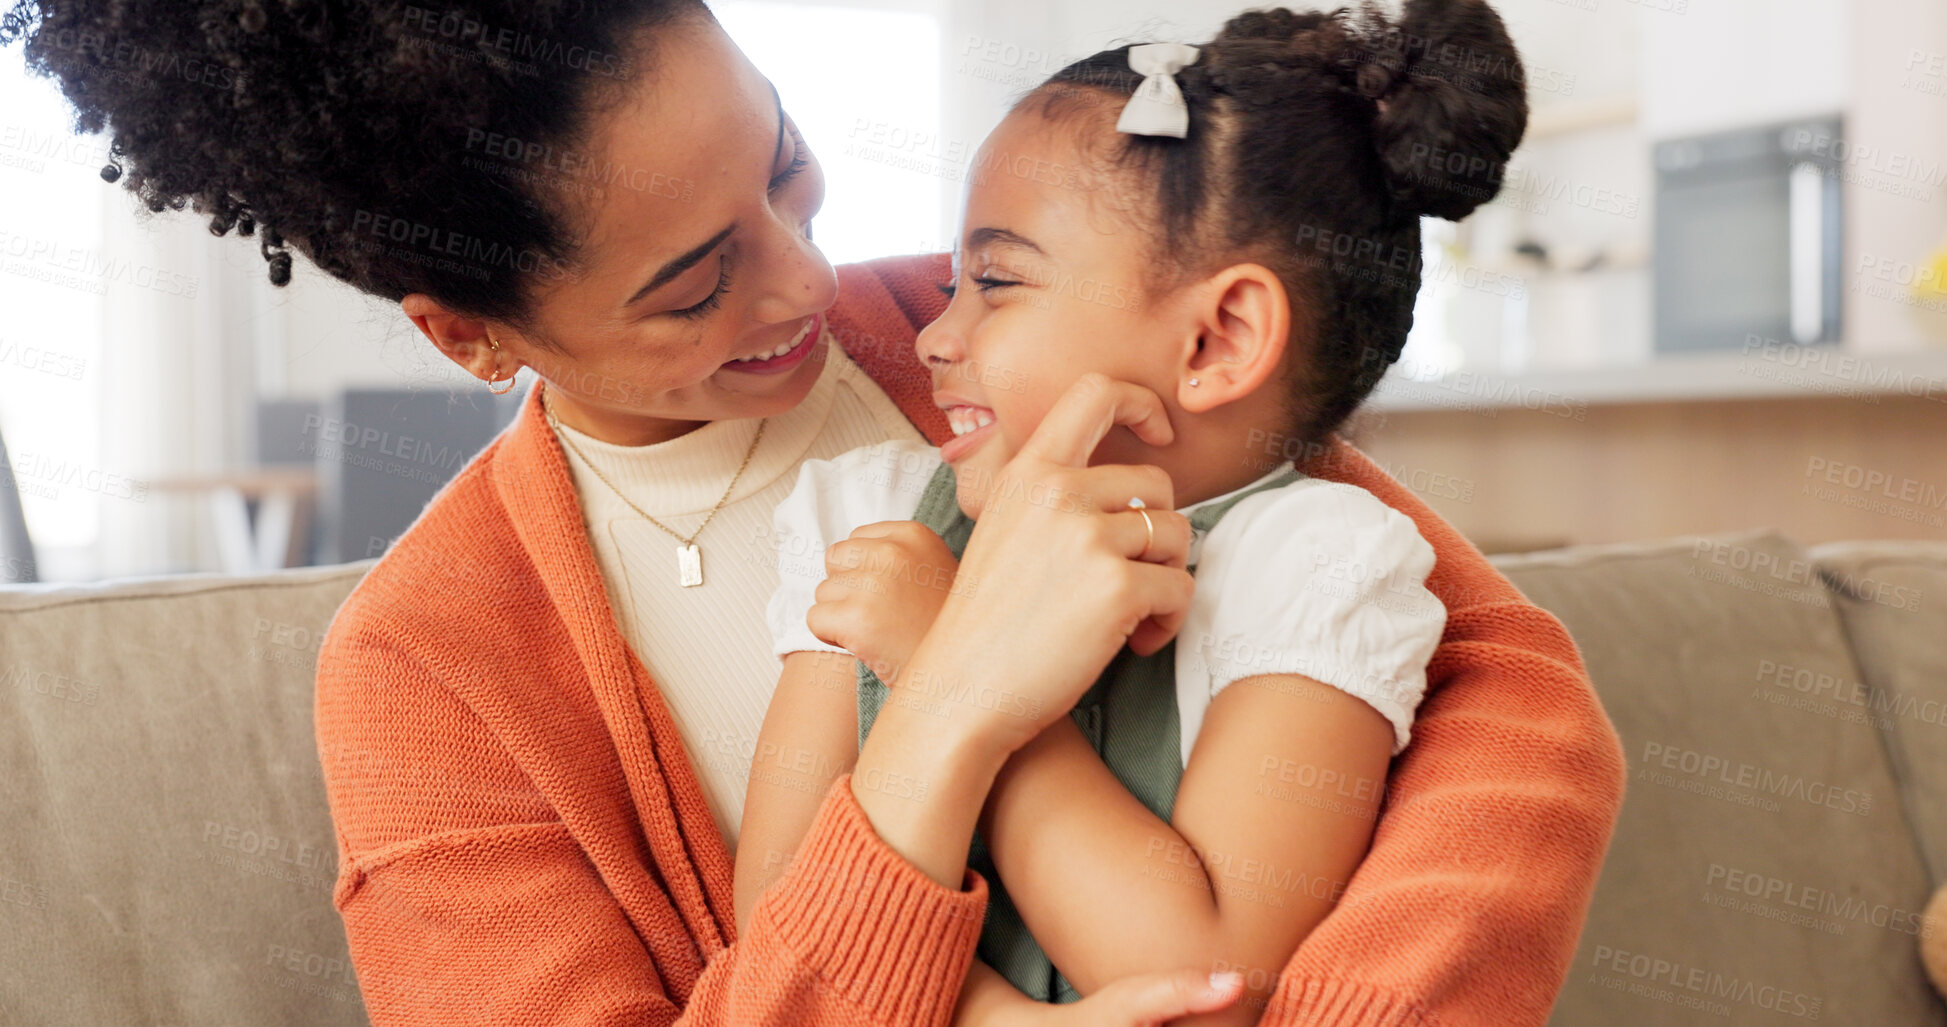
point(381, 454)
point(331, 482)
point(281, 440)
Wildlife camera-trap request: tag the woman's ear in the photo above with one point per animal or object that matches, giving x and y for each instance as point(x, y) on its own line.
point(1244, 321)
point(465, 340)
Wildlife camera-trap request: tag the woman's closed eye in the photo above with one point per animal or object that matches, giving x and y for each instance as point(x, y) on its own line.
point(712, 301)
point(799, 162)
point(800, 157)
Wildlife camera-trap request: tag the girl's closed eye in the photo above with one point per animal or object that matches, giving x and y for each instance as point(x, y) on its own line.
point(988, 283)
point(990, 280)
point(984, 283)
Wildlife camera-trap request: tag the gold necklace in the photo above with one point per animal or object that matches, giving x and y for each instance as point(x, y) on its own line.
point(689, 559)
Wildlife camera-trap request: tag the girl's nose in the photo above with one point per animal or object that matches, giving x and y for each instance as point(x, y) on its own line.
point(942, 343)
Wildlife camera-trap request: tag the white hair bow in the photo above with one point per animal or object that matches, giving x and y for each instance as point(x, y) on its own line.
point(1158, 109)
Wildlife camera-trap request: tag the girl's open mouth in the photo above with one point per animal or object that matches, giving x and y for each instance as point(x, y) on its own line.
point(971, 426)
point(785, 357)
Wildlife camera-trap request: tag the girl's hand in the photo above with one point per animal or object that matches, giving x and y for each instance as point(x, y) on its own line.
point(1068, 572)
point(883, 588)
point(1147, 1000)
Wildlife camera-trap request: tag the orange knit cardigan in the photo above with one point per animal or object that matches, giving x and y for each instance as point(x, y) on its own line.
point(522, 840)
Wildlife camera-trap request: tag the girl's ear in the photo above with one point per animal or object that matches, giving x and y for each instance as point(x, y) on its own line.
point(1244, 320)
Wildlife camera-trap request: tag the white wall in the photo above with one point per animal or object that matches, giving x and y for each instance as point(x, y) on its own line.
point(1725, 63)
point(335, 337)
point(1896, 208)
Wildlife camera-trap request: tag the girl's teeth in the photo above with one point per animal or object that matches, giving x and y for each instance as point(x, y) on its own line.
point(964, 420)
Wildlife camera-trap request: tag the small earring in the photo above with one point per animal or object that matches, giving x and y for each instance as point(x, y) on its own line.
point(515, 377)
point(1193, 383)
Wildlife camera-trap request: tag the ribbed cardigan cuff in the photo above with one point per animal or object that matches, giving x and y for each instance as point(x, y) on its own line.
point(1324, 1002)
point(872, 925)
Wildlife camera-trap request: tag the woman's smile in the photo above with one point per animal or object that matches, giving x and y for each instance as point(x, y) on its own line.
point(785, 355)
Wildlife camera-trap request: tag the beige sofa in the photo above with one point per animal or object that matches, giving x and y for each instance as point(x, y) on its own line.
point(168, 857)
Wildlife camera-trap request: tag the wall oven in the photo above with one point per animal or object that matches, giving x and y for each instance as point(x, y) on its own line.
point(1748, 236)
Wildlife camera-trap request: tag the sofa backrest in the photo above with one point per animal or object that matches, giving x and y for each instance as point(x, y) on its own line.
point(1764, 868)
point(1893, 598)
point(168, 854)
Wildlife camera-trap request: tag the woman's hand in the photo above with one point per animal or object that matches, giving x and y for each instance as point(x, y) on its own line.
point(1139, 1000)
point(1068, 572)
point(883, 588)
point(1147, 1000)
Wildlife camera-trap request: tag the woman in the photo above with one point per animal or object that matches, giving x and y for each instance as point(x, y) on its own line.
point(534, 747)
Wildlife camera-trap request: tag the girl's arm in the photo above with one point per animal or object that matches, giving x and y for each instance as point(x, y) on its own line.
point(1250, 862)
point(1310, 634)
point(988, 998)
point(809, 739)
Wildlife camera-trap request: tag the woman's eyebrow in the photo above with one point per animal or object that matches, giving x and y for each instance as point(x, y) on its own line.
point(681, 264)
point(1000, 237)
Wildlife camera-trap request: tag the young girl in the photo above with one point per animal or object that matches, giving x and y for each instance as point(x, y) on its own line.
point(1234, 227)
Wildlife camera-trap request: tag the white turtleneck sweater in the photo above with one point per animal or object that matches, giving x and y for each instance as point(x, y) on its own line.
point(708, 647)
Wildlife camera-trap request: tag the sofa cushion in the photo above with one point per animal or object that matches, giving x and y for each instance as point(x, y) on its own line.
point(1763, 868)
point(168, 855)
point(1893, 599)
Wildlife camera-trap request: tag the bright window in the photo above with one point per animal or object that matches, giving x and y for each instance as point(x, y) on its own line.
point(864, 87)
point(50, 335)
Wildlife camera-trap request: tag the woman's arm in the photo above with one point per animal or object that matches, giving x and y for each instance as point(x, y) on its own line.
point(466, 898)
point(1496, 818)
point(809, 739)
point(1245, 868)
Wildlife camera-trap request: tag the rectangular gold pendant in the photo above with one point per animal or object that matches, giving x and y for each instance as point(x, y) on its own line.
point(689, 565)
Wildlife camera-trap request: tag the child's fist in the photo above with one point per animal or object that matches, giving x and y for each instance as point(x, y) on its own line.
point(883, 587)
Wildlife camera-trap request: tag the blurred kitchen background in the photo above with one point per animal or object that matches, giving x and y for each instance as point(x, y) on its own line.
point(1712, 294)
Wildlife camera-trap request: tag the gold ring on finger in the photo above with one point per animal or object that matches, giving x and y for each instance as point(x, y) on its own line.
point(1149, 526)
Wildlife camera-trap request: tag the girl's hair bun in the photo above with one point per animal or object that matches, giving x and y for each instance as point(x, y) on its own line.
point(1452, 104)
point(1449, 96)
point(1266, 59)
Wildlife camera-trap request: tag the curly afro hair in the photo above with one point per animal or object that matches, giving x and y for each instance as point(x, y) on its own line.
point(1317, 142)
point(402, 147)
